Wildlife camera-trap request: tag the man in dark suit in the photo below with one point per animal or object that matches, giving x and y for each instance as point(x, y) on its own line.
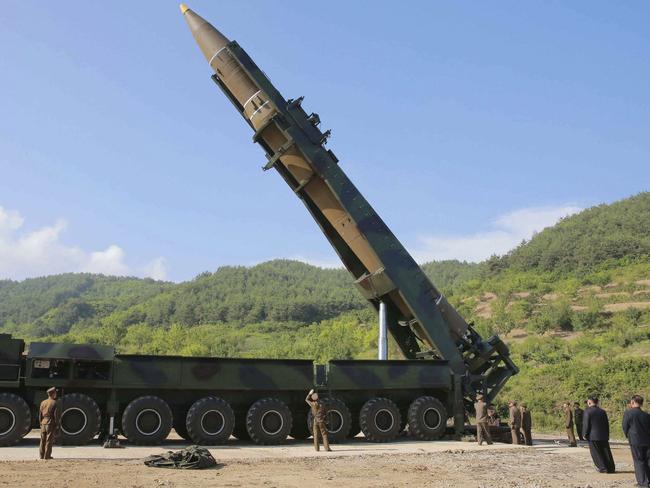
point(595, 428)
point(636, 426)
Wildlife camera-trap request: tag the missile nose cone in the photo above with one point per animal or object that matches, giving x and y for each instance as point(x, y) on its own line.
point(209, 39)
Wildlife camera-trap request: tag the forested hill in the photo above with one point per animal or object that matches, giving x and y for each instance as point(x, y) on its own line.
point(290, 291)
point(586, 240)
point(573, 304)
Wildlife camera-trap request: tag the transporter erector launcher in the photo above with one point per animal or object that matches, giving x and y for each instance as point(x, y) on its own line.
point(422, 322)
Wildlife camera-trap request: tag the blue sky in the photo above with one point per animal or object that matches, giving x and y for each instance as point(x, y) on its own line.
point(468, 125)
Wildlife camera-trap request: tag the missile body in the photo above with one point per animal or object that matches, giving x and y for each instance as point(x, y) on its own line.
point(418, 314)
point(257, 110)
point(261, 106)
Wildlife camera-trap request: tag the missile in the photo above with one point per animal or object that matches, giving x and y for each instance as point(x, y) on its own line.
point(294, 146)
point(258, 109)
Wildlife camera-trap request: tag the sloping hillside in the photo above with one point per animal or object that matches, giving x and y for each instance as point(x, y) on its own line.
point(581, 242)
point(573, 303)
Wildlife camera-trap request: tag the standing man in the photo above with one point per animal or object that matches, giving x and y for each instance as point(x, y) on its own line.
point(319, 413)
point(482, 431)
point(636, 426)
point(595, 428)
point(578, 414)
point(568, 424)
point(514, 421)
point(526, 425)
point(49, 415)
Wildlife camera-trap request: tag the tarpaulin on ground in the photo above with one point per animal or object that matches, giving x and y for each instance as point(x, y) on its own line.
point(193, 457)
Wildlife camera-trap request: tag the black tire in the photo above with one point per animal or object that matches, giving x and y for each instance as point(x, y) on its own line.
point(81, 419)
point(380, 420)
point(269, 421)
point(147, 421)
point(15, 419)
point(339, 420)
point(427, 418)
point(300, 429)
point(210, 420)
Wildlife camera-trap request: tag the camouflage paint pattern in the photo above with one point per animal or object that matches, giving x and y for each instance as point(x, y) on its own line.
point(418, 314)
point(387, 375)
point(56, 364)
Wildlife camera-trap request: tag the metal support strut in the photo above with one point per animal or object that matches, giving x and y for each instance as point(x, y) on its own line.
point(383, 329)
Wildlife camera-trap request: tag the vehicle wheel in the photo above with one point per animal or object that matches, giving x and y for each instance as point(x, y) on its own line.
point(269, 421)
point(147, 420)
point(15, 419)
point(380, 420)
point(427, 418)
point(300, 429)
point(80, 419)
point(210, 420)
point(339, 420)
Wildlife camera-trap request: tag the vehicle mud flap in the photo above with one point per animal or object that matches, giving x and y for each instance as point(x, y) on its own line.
point(380, 420)
point(15, 419)
point(81, 420)
point(210, 420)
point(427, 418)
point(147, 420)
point(269, 421)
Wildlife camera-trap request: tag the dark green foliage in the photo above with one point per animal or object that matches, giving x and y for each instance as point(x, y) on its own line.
point(581, 242)
point(446, 275)
point(554, 316)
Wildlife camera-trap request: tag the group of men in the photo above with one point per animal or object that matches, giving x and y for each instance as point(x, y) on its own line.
point(592, 425)
point(573, 417)
point(487, 419)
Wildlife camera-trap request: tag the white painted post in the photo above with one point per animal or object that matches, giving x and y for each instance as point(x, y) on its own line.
point(383, 332)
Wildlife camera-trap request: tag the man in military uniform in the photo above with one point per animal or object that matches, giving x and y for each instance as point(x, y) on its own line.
point(514, 421)
point(482, 431)
point(568, 423)
point(49, 416)
point(319, 413)
point(578, 414)
point(526, 425)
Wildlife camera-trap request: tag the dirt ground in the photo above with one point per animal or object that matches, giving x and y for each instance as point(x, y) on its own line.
point(357, 464)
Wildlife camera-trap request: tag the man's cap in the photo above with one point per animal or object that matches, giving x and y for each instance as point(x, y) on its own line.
point(524, 405)
point(51, 390)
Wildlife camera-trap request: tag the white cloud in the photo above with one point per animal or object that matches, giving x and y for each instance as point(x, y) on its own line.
point(40, 252)
point(156, 269)
point(504, 234)
point(321, 262)
point(108, 262)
